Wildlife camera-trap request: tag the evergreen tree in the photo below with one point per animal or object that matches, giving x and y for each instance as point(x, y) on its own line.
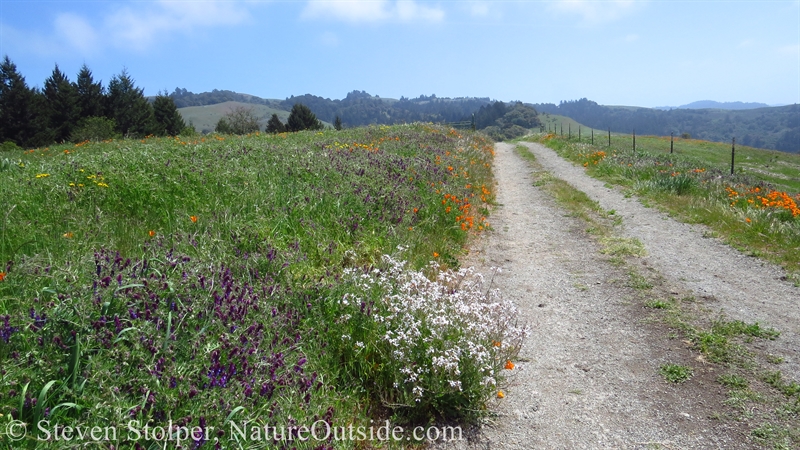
point(19, 108)
point(168, 121)
point(90, 94)
point(301, 118)
point(62, 107)
point(223, 127)
point(127, 105)
point(275, 125)
point(337, 123)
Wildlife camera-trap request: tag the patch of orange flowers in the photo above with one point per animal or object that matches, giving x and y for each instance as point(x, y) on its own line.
point(772, 199)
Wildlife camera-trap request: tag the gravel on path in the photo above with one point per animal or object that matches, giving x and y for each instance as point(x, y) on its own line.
point(587, 377)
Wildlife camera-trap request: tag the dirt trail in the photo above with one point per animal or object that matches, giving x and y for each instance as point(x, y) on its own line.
point(588, 374)
point(744, 288)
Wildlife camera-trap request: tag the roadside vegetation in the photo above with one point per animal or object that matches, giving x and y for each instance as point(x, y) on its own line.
point(757, 209)
point(280, 279)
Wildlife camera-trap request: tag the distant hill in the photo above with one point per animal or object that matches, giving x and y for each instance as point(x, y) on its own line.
point(711, 104)
point(204, 118)
point(776, 128)
point(357, 109)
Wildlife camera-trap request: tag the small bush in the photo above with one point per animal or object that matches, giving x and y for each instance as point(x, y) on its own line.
point(240, 121)
point(427, 348)
point(9, 146)
point(95, 129)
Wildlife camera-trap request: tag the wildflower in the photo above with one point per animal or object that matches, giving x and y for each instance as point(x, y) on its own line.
point(509, 365)
point(151, 233)
point(496, 343)
point(193, 219)
point(500, 394)
point(747, 219)
point(2, 276)
point(69, 235)
point(435, 255)
point(42, 175)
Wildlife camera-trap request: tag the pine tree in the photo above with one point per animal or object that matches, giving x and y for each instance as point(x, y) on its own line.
point(62, 105)
point(19, 107)
point(301, 118)
point(168, 121)
point(90, 94)
point(275, 125)
point(337, 123)
point(127, 105)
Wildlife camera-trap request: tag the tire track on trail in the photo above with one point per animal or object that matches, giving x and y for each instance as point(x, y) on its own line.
point(588, 373)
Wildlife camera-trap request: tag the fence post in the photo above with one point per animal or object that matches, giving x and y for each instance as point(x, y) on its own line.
point(634, 142)
point(579, 133)
point(569, 131)
point(733, 153)
point(671, 138)
point(562, 128)
point(592, 136)
point(609, 136)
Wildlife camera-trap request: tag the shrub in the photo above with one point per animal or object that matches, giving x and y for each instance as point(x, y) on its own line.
point(428, 346)
point(239, 120)
point(95, 129)
point(8, 146)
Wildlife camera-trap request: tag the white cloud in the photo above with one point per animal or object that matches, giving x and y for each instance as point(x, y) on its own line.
point(135, 26)
point(139, 29)
point(361, 11)
point(76, 32)
point(592, 11)
point(479, 9)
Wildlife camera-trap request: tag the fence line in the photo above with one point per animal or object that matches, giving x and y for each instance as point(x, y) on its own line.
point(633, 137)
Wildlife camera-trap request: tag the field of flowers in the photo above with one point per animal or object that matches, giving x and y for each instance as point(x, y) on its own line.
point(755, 209)
point(274, 280)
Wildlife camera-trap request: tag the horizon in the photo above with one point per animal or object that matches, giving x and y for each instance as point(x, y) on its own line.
point(617, 52)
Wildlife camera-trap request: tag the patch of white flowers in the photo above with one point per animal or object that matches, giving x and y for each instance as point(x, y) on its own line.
point(442, 333)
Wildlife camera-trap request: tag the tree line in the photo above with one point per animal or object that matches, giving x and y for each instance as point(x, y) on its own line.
point(67, 111)
point(775, 128)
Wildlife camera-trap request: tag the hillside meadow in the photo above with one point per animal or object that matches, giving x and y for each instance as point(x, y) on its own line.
point(271, 280)
point(756, 209)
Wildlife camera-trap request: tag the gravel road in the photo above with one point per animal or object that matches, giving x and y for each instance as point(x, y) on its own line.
point(588, 374)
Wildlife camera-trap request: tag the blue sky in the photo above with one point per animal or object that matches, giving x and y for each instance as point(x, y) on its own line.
point(642, 53)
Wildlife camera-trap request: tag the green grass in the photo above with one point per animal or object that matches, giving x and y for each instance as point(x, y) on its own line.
point(202, 280)
point(694, 184)
point(675, 373)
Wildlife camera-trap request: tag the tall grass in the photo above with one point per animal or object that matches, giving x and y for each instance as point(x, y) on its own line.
point(201, 280)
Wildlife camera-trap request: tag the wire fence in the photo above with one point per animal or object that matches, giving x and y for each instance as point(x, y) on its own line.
point(560, 130)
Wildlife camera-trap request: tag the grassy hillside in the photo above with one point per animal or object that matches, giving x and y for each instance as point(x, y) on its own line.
point(205, 118)
point(284, 280)
point(775, 128)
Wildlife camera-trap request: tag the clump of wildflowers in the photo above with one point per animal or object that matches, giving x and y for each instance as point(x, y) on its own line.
point(437, 340)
